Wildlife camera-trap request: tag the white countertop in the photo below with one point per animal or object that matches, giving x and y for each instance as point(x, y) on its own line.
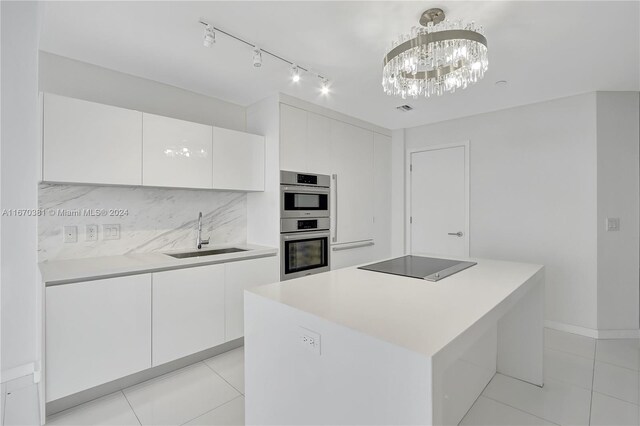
point(67, 271)
point(419, 315)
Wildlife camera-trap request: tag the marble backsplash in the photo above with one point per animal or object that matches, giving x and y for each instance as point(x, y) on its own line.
point(156, 219)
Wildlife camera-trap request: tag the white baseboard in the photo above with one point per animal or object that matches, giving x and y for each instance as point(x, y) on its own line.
point(618, 334)
point(573, 329)
point(17, 372)
point(593, 333)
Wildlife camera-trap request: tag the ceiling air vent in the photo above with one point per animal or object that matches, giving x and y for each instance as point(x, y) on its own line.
point(404, 108)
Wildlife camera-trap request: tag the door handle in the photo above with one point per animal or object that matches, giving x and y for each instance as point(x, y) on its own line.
point(457, 234)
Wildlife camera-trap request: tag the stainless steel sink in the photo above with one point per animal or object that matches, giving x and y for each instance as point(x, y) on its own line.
point(201, 253)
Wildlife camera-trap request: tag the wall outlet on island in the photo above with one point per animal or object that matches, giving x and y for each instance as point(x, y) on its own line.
point(310, 340)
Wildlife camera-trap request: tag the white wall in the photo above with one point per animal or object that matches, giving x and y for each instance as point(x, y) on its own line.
point(618, 196)
point(19, 190)
point(533, 198)
point(75, 79)
point(397, 192)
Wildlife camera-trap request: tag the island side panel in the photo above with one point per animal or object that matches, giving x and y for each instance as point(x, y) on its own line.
point(521, 335)
point(352, 379)
point(461, 372)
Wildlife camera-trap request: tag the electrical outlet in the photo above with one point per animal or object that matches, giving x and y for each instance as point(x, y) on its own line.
point(111, 232)
point(310, 340)
point(91, 233)
point(613, 224)
point(70, 234)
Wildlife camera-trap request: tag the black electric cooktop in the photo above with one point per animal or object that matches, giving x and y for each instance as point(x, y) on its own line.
point(425, 268)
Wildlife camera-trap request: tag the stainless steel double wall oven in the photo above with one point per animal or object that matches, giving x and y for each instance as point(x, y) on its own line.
point(304, 224)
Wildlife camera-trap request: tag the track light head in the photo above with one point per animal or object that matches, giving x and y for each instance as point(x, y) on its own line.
point(209, 36)
point(257, 57)
point(295, 74)
point(324, 88)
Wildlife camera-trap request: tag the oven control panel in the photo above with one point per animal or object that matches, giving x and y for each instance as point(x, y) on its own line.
point(301, 225)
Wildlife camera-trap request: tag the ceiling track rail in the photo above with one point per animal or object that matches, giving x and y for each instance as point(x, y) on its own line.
point(272, 54)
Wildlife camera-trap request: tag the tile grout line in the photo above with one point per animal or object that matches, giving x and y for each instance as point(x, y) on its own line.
point(520, 409)
point(220, 375)
point(476, 400)
point(593, 379)
point(213, 409)
point(570, 353)
point(131, 406)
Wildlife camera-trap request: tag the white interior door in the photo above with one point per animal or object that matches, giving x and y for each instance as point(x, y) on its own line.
point(439, 200)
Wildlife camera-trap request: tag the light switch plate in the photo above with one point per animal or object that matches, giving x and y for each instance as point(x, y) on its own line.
point(70, 234)
point(613, 224)
point(111, 232)
point(91, 233)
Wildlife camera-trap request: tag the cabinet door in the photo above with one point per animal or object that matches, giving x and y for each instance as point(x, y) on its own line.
point(319, 144)
point(86, 142)
point(240, 276)
point(238, 160)
point(352, 160)
point(188, 311)
point(293, 138)
point(382, 195)
point(176, 153)
point(352, 254)
point(96, 331)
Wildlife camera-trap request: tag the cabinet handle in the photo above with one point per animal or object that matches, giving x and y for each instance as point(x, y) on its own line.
point(335, 222)
point(353, 246)
point(457, 234)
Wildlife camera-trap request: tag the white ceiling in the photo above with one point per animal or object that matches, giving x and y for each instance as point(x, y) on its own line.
point(544, 49)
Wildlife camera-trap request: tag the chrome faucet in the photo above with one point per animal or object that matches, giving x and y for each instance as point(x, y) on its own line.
point(200, 241)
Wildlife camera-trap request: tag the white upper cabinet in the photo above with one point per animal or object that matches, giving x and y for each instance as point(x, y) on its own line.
point(293, 139)
point(176, 153)
point(352, 169)
point(188, 311)
point(319, 144)
point(238, 160)
point(86, 142)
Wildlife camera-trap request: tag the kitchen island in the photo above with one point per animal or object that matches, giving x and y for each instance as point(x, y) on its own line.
point(353, 346)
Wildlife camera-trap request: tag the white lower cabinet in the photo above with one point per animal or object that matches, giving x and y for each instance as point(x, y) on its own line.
point(103, 330)
point(188, 311)
point(96, 331)
point(239, 277)
point(343, 256)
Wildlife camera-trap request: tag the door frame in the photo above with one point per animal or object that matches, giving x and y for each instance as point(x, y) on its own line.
point(407, 207)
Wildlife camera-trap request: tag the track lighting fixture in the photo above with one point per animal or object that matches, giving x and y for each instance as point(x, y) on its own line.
point(295, 74)
point(324, 88)
point(257, 58)
point(296, 70)
point(209, 36)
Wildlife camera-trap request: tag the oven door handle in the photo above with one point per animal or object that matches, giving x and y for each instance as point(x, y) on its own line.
point(305, 236)
point(305, 190)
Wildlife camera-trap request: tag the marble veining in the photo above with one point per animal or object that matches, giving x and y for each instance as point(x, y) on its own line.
point(156, 219)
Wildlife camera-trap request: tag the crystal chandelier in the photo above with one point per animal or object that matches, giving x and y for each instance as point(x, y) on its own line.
point(440, 56)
